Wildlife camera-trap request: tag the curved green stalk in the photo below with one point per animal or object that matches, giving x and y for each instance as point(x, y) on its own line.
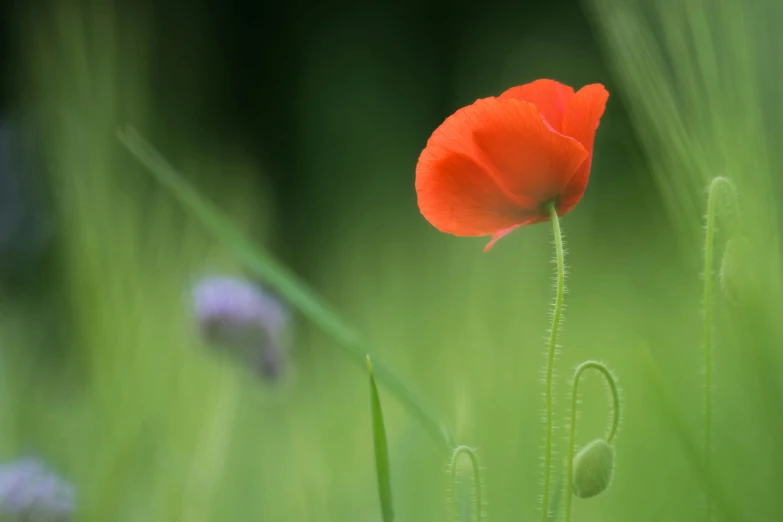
point(280, 279)
point(550, 358)
point(476, 479)
point(574, 403)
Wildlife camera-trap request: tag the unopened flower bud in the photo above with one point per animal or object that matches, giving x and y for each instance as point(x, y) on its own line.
point(593, 469)
point(240, 318)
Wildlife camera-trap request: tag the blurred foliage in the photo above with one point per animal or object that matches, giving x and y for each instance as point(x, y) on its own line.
point(102, 375)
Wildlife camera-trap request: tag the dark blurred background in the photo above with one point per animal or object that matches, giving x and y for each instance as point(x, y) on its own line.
point(322, 94)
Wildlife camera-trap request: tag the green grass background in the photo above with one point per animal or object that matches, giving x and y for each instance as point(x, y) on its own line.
point(104, 377)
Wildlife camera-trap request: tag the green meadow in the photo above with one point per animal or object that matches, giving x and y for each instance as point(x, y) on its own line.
point(103, 374)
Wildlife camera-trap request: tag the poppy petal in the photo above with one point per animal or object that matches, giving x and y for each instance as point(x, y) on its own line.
point(524, 154)
point(502, 233)
point(583, 114)
point(458, 196)
point(581, 120)
point(549, 96)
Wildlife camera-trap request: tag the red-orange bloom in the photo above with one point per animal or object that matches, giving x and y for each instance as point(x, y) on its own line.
point(495, 165)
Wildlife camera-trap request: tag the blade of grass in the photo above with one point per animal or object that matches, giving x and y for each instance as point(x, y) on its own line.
point(280, 279)
point(381, 448)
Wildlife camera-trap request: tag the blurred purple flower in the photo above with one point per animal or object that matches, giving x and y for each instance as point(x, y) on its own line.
point(238, 316)
point(29, 491)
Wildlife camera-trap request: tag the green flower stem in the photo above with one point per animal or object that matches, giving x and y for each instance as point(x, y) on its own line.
point(709, 247)
point(281, 280)
point(550, 358)
point(574, 404)
point(476, 479)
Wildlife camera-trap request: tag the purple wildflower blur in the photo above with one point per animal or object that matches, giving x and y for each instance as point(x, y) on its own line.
point(238, 316)
point(29, 491)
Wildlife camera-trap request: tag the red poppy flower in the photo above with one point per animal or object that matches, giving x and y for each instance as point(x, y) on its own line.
point(495, 165)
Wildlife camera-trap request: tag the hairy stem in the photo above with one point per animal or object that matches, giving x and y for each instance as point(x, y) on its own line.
point(550, 358)
point(712, 202)
point(709, 247)
point(476, 479)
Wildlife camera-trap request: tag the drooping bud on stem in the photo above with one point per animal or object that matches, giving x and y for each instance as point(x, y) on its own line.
point(593, 469)
point(590, 472)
